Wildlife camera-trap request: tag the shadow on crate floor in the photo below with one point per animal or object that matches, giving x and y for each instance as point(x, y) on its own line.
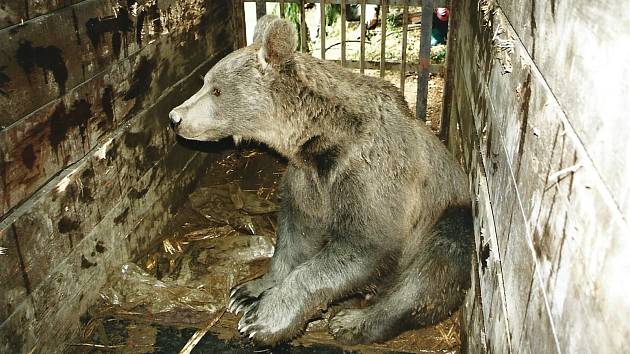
point(223, 235)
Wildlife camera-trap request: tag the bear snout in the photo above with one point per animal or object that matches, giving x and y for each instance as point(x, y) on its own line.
point(176, 119)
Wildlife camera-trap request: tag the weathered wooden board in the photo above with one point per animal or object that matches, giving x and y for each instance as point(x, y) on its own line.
point(13, 12)
point(538, 332)
point(490, 268)
point(155, 215)
point(518, 272)
point(90, 173)
point(49, 227)
point(562, 210)
point(73, 283)
point(76, 47)
point(562, 238)
point(87, 38)
point(583, 57)
point(473, 331)
point(37, 147)
point(12, 282)
point(18, 332)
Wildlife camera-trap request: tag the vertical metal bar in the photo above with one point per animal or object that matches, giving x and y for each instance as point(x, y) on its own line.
point(303, 28)
point(362, 57)
point(322, 28)
point(424, 62)
point(261, 8)
point(384, 8)
point(282, 8)
point(343, 33)
point(403, 58)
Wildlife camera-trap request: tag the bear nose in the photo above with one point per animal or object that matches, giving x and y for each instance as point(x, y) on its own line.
point(176, 119)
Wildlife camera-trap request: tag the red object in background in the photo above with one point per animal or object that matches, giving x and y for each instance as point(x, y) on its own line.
point(442, 13)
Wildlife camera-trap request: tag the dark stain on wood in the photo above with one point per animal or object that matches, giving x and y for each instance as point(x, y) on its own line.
point(112, 153)
point(141, 80)
point(67, 225)
point(485, 255)
point(152, 13)
point(100, 247)
point(27, 282)
point(47, 58)
point(133, 140)
point(118, 26)
point(107, 104)
point(153, 154)
point(527, 93)
point(139, 24)
point(85, 264)
point(87, 174)
point(75, 23)
point(86, 193)
point(29, 157)
point(4, 80)
point(61, 121)
point(532, 20)
point(6, 197)
point(122, 217)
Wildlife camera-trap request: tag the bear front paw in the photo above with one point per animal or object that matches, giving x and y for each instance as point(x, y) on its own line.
point(242, 297)
point(272, 319)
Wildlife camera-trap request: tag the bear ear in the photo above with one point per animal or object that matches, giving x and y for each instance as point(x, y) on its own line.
point(278, 41)
point(261, 27)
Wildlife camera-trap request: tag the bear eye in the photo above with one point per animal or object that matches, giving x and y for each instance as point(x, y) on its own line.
point(216, 92)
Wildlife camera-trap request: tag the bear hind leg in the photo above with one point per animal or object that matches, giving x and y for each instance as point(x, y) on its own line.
point(428, 291)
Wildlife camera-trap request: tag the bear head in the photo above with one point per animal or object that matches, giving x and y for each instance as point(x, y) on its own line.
point(236, 98)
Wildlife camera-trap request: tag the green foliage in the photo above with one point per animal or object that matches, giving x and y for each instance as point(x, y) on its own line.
point(332, 14)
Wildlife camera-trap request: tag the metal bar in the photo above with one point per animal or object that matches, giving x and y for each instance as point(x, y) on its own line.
point(343, 33)
point(261, 8)
point(384, 8)
point(403, 58)
point(392, 66)
point(436, 3)
point(322, 29)
point(282, 8)
point(362, 57)
point(424, 61)
point(303, 28)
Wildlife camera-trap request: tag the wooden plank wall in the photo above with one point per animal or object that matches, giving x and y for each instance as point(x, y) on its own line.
point(89, 170)
point(540, 95)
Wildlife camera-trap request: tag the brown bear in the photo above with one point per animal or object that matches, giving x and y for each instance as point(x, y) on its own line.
point(371, 201)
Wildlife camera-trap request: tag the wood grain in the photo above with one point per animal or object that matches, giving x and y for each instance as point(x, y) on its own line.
point(561, 236)
point(37, 147)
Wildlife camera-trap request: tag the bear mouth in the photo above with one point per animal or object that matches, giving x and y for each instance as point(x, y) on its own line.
point(210, 135)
